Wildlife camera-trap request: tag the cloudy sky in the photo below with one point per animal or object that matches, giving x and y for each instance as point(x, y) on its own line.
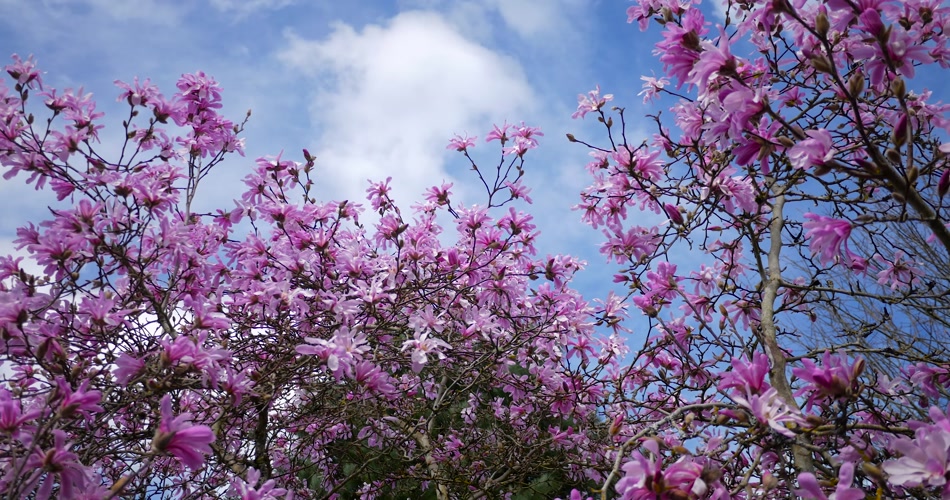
point(373, 88)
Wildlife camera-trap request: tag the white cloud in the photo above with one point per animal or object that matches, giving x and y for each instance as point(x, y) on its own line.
point(387, 99)
point(536, 18)
point(245, 7)
point(152, 11)
point(540, 22)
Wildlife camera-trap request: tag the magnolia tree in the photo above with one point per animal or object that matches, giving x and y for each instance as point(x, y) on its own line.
point(280, 346)
point(768, 165)
point(289, 346)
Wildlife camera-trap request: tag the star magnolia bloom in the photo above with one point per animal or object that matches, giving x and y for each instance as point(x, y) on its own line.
point(925, 460)
point(422, 345)
point(814, 151)
point(769, 408)
point(827, 236)
point(177, 437)
point(812, 490)
point(246, 490)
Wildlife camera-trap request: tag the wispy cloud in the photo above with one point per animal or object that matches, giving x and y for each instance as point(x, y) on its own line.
point(387, 97)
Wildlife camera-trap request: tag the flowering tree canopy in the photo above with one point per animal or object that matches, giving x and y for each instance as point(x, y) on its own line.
point(287, 346)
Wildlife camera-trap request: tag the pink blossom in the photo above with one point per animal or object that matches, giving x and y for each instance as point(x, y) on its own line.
point(422, 345)
point(645, 478)
point(460, 143)
point(593, 101)
point(652, 87)
point(341, 352)
point(747, 376)
point(498, 133)
point(12, 417)
point(518, 190)
point(901, 51)
point(138, 94)
point(835, 378)
point(816, 150)
point(62, 464)
point(924, 461)
point(81, 401)
point(811, 490)
point(127, 368)
point(246, 489)
point(24, 72)
point(898, 272)
point(770, 409)
point(714, 61)
point(829, 238)
point(177, 436)
point(680, 48)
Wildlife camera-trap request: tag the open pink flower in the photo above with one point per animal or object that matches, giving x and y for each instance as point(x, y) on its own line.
point(769, 408)
point(835, 378)
point(247, 490)
point(422, 345)
point(816, 150)
point(179, 438)
point(829, 237)
point(593, 101)
point(810, 489)
point(925, 459)
point(747, 376)
point(461, 143)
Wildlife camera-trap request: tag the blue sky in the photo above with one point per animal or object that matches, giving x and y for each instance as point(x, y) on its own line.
point(373, 88)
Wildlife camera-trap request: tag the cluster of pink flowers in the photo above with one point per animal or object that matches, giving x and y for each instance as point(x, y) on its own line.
point(286, 346)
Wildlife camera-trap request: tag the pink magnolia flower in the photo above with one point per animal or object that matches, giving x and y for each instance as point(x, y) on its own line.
point(12, 416)
point(82, 401)
point(460, 143)
point(518, 190)
point(769, 408)
point(62, 464)
point(645, 478)
point(127, 367)
point(344, 349)
point(835, 378)
point(924, 461)
point(176, 436)
point(246, 489)
point(827, 235)
point(747, 376)
point(499, 133)
point(900, 272)
point(902, 50)
point(816, 150)
point(811, 490)
point(422, 346)
point(24, 72)
point(652, 87)
point(593, 101)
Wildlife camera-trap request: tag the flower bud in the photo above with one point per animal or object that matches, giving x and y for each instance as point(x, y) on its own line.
point(616, 425)
point(822, 64)
point(822, 169)
point(912, 174)
point(856, 84)
point(822, 25)
point(673, 213)
point(899, 134)
point(893, 155)
point(899, 88)
point(944, 184)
